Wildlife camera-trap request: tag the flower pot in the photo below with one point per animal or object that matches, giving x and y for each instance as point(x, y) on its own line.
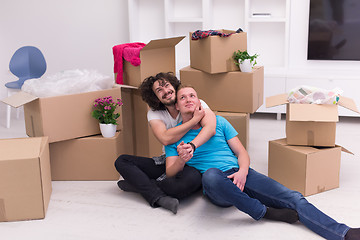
point(245, 66)
point(107, 130)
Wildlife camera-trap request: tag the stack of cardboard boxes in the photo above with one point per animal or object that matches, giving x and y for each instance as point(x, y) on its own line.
point(64, 140)
point(307, 160)
point(157, 56)
point(219, 82)
point(63, 144)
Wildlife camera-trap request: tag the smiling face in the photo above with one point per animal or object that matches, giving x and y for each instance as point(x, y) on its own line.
point(187, 100)
point(165, 92)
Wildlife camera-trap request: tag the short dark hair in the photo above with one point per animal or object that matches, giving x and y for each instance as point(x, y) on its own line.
point(148, 94)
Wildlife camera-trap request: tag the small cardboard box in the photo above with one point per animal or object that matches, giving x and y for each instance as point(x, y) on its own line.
point(311, 124)
point(63, 117)
point(240, 121)
point(157, 56)
point(214, 53)
point(89, 158)
point(25, 178)
point(308, 170)
point(229, 92)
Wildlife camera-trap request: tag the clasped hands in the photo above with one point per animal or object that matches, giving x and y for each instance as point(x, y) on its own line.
point(185, 151)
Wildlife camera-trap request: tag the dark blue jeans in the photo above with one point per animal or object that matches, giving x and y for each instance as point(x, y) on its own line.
point(142, 172)
point(260, 192)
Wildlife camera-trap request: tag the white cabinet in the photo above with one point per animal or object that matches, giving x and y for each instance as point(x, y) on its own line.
point(267, 35)
point(267, 24)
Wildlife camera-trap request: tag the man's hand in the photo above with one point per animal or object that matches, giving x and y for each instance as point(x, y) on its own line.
point(199, 113)
point(185, 151)
point(239, 178)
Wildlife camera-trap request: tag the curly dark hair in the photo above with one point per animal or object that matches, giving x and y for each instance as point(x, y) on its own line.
point(148, 94)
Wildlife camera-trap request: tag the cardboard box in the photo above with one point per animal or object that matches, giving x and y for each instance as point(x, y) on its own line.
point(63, 117)
point(145, 144)
point(92, 158)
point(311, 124)
point(135, 125)
point(228, 92)
point(25, 178)
point(240, 121)
point(308, 170)
point(89, 158)
point(157, 56)
point(214, 53)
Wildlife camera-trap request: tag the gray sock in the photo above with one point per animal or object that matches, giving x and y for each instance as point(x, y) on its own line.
point(169, 203)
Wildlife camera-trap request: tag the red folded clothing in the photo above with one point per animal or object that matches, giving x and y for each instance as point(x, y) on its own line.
point(128, 51)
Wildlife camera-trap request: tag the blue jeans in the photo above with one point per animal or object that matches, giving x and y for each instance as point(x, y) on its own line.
point(260, 192)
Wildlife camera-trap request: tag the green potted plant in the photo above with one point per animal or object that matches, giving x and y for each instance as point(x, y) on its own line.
point(244, 60)
point(104, 112)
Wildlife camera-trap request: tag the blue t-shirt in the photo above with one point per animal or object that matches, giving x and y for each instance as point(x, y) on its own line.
point(215, 153)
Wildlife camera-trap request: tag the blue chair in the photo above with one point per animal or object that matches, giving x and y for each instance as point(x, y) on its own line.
point(26, 63)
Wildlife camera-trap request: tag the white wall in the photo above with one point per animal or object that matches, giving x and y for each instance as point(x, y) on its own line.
point(72, 34)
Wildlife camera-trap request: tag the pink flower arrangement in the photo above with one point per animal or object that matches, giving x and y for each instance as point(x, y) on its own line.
point(104, 110)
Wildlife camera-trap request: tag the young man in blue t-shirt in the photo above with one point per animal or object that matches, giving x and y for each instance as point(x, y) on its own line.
point(228, 179)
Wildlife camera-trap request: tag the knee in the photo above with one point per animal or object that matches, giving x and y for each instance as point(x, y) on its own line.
point(193, 175)
point(182, 184)
point(211, 177)
point(120, 160)
point(298, 199)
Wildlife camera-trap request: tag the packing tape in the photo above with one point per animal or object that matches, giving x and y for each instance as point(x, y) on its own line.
point(2, 211)
point(310, 138)
point(320, 189)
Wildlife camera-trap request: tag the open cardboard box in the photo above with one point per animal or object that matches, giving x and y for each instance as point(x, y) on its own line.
point(229, 92)
point(308, 170)
point(157, 56)
point(25, 178)
point(214, 53)
point(311, 124)
point(63, 117)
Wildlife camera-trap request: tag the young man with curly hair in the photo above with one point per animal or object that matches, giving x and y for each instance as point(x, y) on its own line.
point(147, 175)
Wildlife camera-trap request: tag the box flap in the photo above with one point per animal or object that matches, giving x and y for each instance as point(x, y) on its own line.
point(313, 112)
point(344, 149)
point(18, 99)
point(300, 149)
point(20, 148)
point(124, 86)
point(162, 43)
point(348, 103)
point(276, 100)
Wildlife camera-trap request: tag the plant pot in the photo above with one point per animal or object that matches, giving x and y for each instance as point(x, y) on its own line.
point(245, 66)
point(107, 130)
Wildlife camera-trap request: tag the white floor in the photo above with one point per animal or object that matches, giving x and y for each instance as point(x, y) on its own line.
point(99, 210)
